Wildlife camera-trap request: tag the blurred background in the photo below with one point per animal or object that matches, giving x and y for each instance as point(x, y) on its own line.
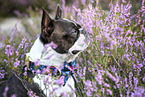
point(15, 8)
point(13, 11)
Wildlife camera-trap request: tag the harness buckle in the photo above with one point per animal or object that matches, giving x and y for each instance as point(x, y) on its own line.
point(56, 73)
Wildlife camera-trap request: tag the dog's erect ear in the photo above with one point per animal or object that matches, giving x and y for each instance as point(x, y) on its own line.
point(58, 12)
point(47, 27)
point(46, 20)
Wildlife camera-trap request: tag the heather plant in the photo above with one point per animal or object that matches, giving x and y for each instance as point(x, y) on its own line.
point(114, 62)
point(112, 65)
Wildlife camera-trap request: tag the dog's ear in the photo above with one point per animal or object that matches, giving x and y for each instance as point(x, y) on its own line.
point(46, 20)
point(47, 26)
point(58, 12)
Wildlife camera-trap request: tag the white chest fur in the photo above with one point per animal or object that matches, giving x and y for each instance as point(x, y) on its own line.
point(49, 87)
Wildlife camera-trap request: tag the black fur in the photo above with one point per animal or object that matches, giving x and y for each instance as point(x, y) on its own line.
point(17, 86)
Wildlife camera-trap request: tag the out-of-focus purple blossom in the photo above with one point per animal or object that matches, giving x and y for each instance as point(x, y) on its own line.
point(37, 62)
point(9, 50)
point(25, 47)
point(127, 57)
point(113, 69)
point(130, 79)
point(38, 72)
point(25, 73)
point(76, 3)
point(17, 12)
point(126, 85)
point(2, 74)
point(16, 63)
point(5, 91)
point(84, 71)
point(109, 91)
point(64, 94)
point(99, 78)
point(60, 81)
point(21, 45)
point(143, 79)
point(139, 92)
point(47, 81)
point(89, 93)
point(88, 83)
point(30, 93)
point(53, 45)
point(123, 1)
point(14, 95)
point(103, 90)
point(106, 85)
point(111, 76)
point(83, 2)
point(102, 52)
point(135, 80)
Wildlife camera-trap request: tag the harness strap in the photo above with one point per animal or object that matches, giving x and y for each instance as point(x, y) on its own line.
point(66, 71)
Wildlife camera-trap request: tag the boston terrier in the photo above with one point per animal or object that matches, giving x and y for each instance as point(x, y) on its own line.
point(50, 63)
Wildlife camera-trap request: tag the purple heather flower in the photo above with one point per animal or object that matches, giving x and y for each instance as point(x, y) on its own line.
point(5, 91)
point(89, 93)
point(84, 71)
point(126, 85)
point(83, 2)
point(123, 1)
point(143, 79)
point(88, 83)
point(139, 92)
point(9, 50)
point(99, 78)
point(106, 85)
point(109, 91)
point(16, 63)
point(103, 90)
point(37, 62)
point(53, 45)
point(135, 82)
point(102, 52)
point(111, 76)
point(13, 95)
point(25, 73)
point(31, 94)
point(127, 57)
point(38, 72)
point(60, 81)
point(2, 74)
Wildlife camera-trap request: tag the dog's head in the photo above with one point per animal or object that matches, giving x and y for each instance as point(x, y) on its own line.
point(66, 34)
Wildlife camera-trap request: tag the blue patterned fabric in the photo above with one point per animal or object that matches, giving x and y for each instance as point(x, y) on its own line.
point(66, 71)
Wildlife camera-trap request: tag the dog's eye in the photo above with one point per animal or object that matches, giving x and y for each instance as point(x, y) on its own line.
point(74, 31)
point(75, 51)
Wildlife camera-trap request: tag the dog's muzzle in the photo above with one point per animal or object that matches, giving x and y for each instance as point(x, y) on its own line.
point(81, 43)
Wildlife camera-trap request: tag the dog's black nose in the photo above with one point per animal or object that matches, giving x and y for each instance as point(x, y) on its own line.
point(75, 51)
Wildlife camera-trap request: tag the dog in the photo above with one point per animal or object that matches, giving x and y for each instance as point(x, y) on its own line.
point(51, 59)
